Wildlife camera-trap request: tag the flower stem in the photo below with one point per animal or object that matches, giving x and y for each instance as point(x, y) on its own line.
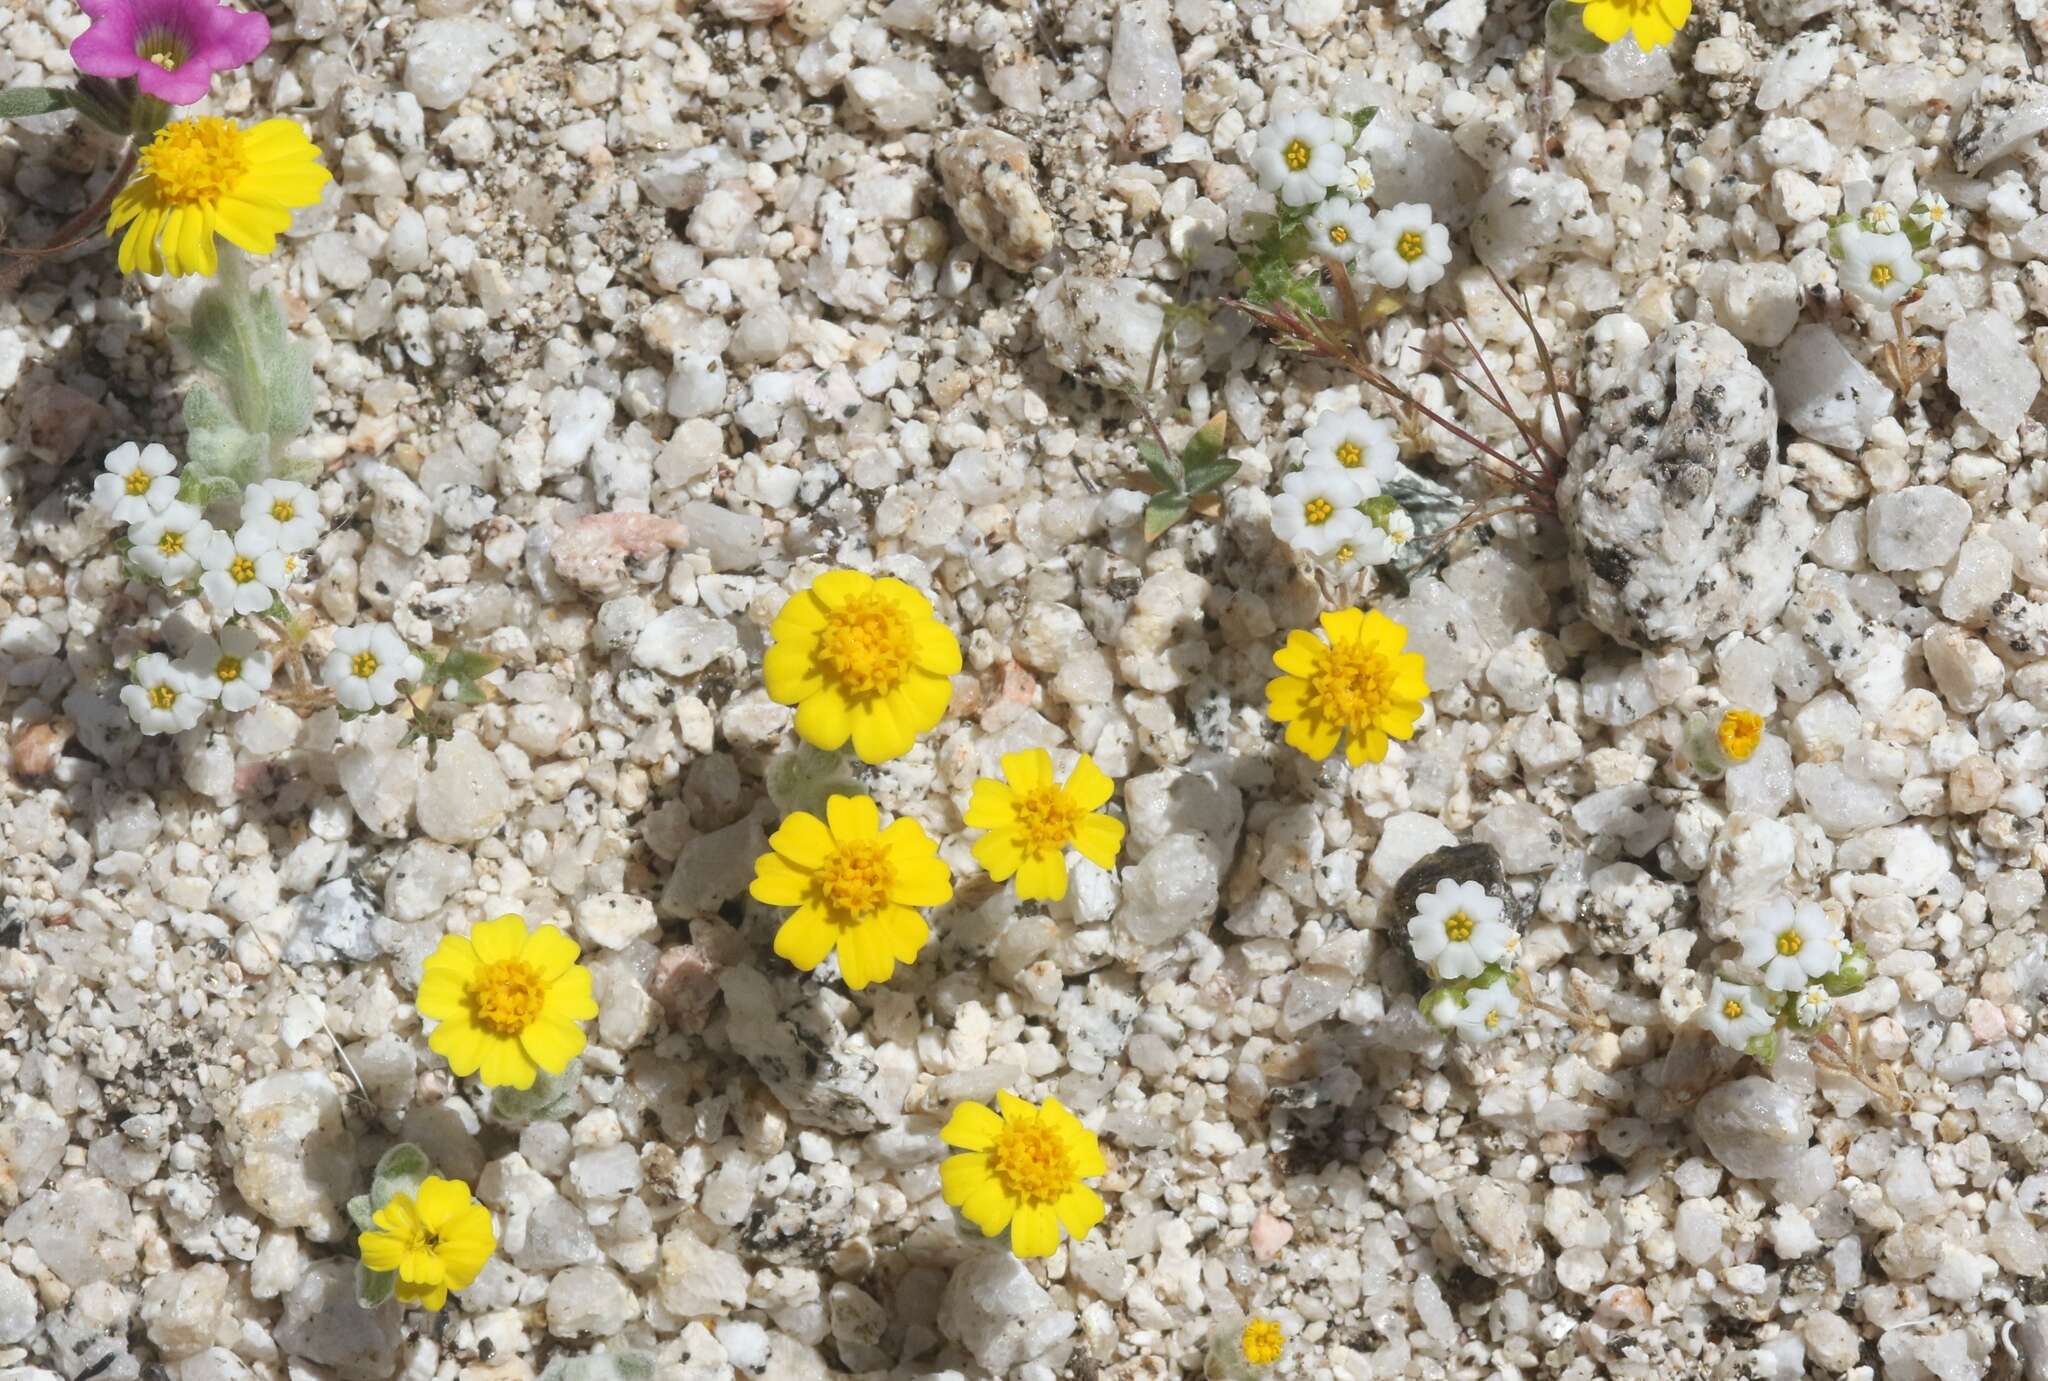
point(72, 232)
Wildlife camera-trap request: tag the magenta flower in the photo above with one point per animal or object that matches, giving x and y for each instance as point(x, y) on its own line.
point(171, 47)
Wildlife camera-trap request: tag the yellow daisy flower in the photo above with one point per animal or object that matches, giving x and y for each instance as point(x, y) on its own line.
point(1032, 820)
point(1022, 1170)
point(507, 1000)
point(1262, 1342)
point(437, 1242)
point(208, 176)
point(1653, 22)
point(1739, 733)
point(864, 659)
point(854, 886)
point(1352, 680)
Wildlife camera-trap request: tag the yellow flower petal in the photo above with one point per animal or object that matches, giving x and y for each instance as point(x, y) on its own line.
point(551, 1042)
point(989, 1208)
point(1314, 736)
point(550, 952)
point(380, 1250)
point(1286, 698)
point(777, 884)
point(923, 700)
point(1099, 838)
point(461, 1045)
point(505, 1065)
point(439, 1200)
point(1088, 786)
point(961, 1176)
point(1042, 878)
point(999, 853)
point(903, 933)
point(499, 939)
point(991, 806)
point(938, 651)
point(454, 956)
point(972, 1127)
point(442, 996)
point(1079, 1210)
point(853, 817)
point(862, 959)
point(1035, 1231)
point(1343, 625)
point(1013, 1108)
point(803, 839)
point(789, 671)
point(878, 733)
point(1302, 655)
point(1606, 21)
point(835, 588)
point(425, 1296)
point(801, 614)
point(1028, 770)
point(569, 997)
point(805, 939)
point(825, 720)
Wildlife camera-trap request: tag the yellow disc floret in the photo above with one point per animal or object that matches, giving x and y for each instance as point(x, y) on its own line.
point(1261, 1342)
point(1738, 733)
point(205, 177)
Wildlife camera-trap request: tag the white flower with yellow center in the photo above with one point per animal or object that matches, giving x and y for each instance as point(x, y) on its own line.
point(169, 544)
point(1339, 229)
point(161, 698)
point(138, 484)
point(1457, 929)
point(1300, 157)
point(243, 575)
point(1353, 439)
point(1486, 1013)
point(1931, 213)
point(1736, 1014)
point(287, 511)
point(1358, 180)
point(232, 668)
point(1881, 217)
point(1792, 945)
point(1371, 547)
point(367, 664)
point(1409, 249)
point(1813, 1006)
point(1880, 269)
point(1399, 527)
point(1316, 511)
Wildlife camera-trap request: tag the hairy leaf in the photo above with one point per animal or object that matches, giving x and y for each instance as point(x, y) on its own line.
point(1209, 478)
point(374, 1287)
point(401, 1170)
point(1161, 468)
point(32, 100)
point(1162, 513)
point(1204, 446)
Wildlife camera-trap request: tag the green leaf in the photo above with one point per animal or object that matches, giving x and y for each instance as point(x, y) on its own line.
point(1162, 513)
point(401, 1170)
point(1360, 118)
point(361, 1213)
point(1206, 444)
point(1156, 462)
point(1209, 478)
point(550, 1098)
point(374, 1287)
point(1564, 28)
point(1764, 1047)
point(32, 100)
point(240, 337)
point(464, 665)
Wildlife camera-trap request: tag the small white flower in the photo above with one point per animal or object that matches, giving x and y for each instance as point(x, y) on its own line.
point(243, 575)
point(233, 668)
point(1300, 157)
point(1339, 229)
point(1813, 1007)
point(138, 484)
point(1931, 212)
point(288, 511)
point(1399, 527)
point(161, 699)
point(1371, 547)
point(1488, 1012)
point(1457, 929)
point(1353, 439)
point(1736, 1014)
point(1358, 179)
point(1316, 511)
point(1792, 945)
point(1881, 217)
point(1880, 269)
point(367, 664)
point(170, 544)
point(1409, 249)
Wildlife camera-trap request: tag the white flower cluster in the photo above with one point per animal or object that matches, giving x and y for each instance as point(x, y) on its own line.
point(1458, 932)
point(1801, 953)
point(238, 575)
point(1331, 509)
point(1878, 251)
point(1309, 160)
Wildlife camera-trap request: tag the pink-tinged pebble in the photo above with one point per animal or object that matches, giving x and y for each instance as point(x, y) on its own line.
point(1269, 1235)
point(1987, 1023)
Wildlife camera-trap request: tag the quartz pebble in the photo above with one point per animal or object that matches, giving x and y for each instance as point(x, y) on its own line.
point(445, 58)
point(989, 184)
point(1754, 1127)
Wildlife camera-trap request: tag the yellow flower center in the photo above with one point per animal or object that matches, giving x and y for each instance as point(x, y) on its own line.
point(196, 162)
point(1739, 733)
point(228, 669)
point(1790, 942)
point(162, 697)
point(1046, 818)
point(1937, 213)
point(1458, 928)
point(162, 47)
point(1297, 153)
point(282, 510)
point(1262, 1342)
point(138, 482)
point(171, 543)
point(1318, 511)
point(868, 643)
point(1880, 274)
point(1731, 1008)
point(1346, 552)
point(363, 664)
point(1353, 685)
point(1031, 1161)
point(1350, 455)
point(1493, 1017)
point(1339, 235)
point(507, 996)
point(242, 570)
point(1409, 246)
point(857, 879)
